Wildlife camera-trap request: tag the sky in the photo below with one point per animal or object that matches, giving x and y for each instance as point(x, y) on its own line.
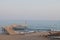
point(29, 9)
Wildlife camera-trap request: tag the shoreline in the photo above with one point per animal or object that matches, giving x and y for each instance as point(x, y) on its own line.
point(29, 36)
point(32, 36)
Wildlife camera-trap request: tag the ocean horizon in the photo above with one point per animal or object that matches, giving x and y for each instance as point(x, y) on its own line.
point(34, 24)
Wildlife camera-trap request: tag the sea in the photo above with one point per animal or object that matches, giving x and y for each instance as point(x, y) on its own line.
point(33, 24)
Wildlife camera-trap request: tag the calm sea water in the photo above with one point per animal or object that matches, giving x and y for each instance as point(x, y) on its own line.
point(33, 24)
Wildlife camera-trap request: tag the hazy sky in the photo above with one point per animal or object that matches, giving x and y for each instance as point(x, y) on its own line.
point(29, 9)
